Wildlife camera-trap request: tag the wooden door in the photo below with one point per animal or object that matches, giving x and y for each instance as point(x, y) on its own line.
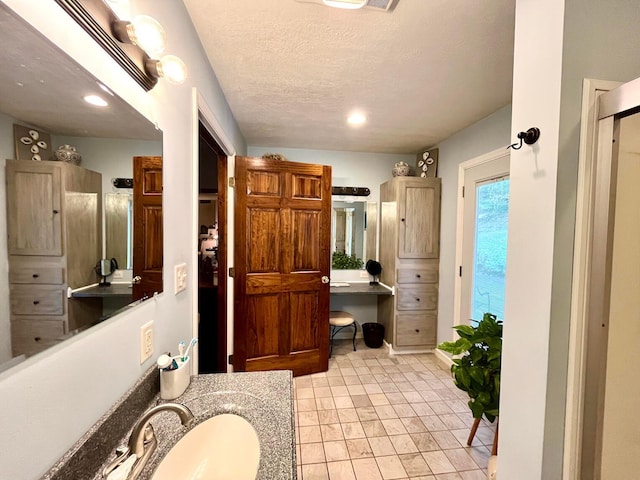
point(419, 211)
point(282, 245)
point(147, 226)
point(34, 208)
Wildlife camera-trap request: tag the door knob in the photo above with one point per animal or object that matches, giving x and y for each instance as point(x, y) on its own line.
point(137, 279)
point(325, 279)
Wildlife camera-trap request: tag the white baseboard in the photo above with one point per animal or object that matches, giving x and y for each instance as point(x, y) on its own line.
point(443, 358)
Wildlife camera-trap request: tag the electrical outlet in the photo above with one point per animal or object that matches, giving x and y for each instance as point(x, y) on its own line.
point(146, 341)
point(180, 277)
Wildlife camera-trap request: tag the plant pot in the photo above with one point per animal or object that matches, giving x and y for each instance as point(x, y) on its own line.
point(373, 334)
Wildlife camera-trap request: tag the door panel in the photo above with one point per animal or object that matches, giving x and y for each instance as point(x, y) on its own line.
point(283, 227)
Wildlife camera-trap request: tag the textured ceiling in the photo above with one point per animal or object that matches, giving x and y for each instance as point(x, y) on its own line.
point(292, 70)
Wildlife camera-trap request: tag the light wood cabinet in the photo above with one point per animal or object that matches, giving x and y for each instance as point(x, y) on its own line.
point(54, 237)
point(409, 254)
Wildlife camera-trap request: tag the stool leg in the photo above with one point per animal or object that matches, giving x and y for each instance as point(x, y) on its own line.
point(331, 334)
point(355, 330)
point(474, 429)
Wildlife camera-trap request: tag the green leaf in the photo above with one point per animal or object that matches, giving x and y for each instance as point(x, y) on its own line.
point(462, 375)
point(476, 408)
point(477, 374)
point(484, 398)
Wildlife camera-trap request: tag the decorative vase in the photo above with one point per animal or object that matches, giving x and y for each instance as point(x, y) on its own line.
point(401, 169)
point(68, 153)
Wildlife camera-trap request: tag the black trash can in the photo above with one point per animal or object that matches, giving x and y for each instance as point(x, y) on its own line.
point(373, 334)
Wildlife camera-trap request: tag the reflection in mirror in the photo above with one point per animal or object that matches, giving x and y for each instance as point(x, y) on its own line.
point(35, 80)
point(348, 235)
point(118, 223)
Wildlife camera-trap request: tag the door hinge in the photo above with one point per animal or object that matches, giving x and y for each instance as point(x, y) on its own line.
point(463, 191)
point(460, 271)
point(232, 182)
point(230, 360)
point(232, 272)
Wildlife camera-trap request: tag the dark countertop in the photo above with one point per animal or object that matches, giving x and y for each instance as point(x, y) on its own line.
point(361, 288)
point(113, 290)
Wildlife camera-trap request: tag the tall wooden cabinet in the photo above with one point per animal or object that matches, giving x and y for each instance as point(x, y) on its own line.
point(409, 254)
point(54, 239)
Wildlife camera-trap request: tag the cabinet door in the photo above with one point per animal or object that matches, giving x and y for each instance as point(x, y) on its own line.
point(34, 209)
point(419, 226)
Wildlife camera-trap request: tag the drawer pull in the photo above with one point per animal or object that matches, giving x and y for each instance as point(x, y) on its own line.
point(417, 330)
point(402, 219)
point(417, 299)
point(417, 275)
point(55, 211)
point(37, 339)
point(35, 275)
point(36, 302)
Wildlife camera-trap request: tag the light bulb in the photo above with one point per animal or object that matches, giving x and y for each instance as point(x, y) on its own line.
point(148, 34)
point(169, 67)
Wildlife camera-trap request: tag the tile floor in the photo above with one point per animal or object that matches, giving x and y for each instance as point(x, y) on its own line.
point(375, 416)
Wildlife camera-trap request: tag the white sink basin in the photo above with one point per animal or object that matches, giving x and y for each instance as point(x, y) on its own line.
point(225, 447)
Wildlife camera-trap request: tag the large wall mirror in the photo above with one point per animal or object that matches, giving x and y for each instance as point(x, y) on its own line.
point(353, 233)
point(43, 91)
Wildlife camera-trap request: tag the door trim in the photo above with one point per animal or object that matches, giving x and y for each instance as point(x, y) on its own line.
point(576, 369)
point(202, 113)
point(462, 171)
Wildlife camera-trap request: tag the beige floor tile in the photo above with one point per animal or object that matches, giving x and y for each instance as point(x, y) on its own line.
point(331, 432)
point(363, 370)
point(462, 435)
point(298, 461)
point(352, 380)
point(393, 426)
point(368, 379)
point(446, 439)
point(319, 381)
point(473, 475)
point(353, 430)
point(405, 387)
point(306, 404)
point(449, 476)
point(414, 464)
point(315, 471)
point(361, 400)
point(366, 469)
point(310, 434)
point(307, 418)
point(433, 423)
point(302, 382)
point(381, 446)
point(485, 435)
point(404, 410)
point(334, 371)
point(460, 459)
point(440, 407)
point(341, 470)
point(430, 396)
point(438, 462)
point(404, 444)
point(374, 428)
point(378, 399)
point(299, 470)
point(311, 453)
point(336, 450)
point(391, 467)
point(396, 398)
point(359, 448)
point(336, 381)
point(422, 409)
point(413, 425)
point(480, 455)
point(304, 393)
point(343, 402)
point(339, 391)
point(356, 390)
point(367, 413)
point(372, 388)
point(425, 442)
point(452, 421)
point(325, 403)
point(347, 371)
point(389, 387)
point(326, 417)
point(385, 412)
point(322, 392)
point(412, 397)
point(347, 415)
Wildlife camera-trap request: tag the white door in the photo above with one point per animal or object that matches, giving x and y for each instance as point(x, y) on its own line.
point(484, 239)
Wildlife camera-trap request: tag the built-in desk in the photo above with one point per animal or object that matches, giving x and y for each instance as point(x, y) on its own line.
point(119, 290)
point(360, 288)
point(105, 300)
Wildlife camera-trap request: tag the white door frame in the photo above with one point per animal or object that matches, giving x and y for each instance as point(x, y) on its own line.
point(462, 172)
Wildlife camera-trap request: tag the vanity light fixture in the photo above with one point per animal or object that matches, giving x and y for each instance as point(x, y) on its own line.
point(356, 119)
point(345, 4)
point(96, 100)
point(143, 31)
point(169, 67)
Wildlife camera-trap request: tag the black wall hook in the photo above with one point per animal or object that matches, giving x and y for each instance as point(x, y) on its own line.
point(529, 137)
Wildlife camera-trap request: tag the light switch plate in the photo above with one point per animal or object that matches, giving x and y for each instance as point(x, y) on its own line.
point(180, 277)
point(146, 341)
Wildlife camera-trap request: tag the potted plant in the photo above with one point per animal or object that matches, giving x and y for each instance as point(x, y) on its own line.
point(344, 261)
point(476, 370)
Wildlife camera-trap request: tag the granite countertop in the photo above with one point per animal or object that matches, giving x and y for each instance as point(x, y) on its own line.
point(361, 288)
point(264, 399)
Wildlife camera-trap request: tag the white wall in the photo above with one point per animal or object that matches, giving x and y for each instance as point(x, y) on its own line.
point(581, 39)
point(482, 137)
point(51, 400)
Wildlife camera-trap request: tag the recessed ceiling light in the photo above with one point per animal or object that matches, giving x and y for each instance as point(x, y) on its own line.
point(348, 4)
point(95, 100)
point(356, 119)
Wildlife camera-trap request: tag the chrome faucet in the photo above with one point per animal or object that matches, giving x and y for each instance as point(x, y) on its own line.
point(143, 442)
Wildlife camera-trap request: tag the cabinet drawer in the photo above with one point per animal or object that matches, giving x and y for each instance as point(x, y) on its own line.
point(416, 330)
point(50, 329)
point(417, 297)
point(37, 300)
point(48, 275)
point(426, 274)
